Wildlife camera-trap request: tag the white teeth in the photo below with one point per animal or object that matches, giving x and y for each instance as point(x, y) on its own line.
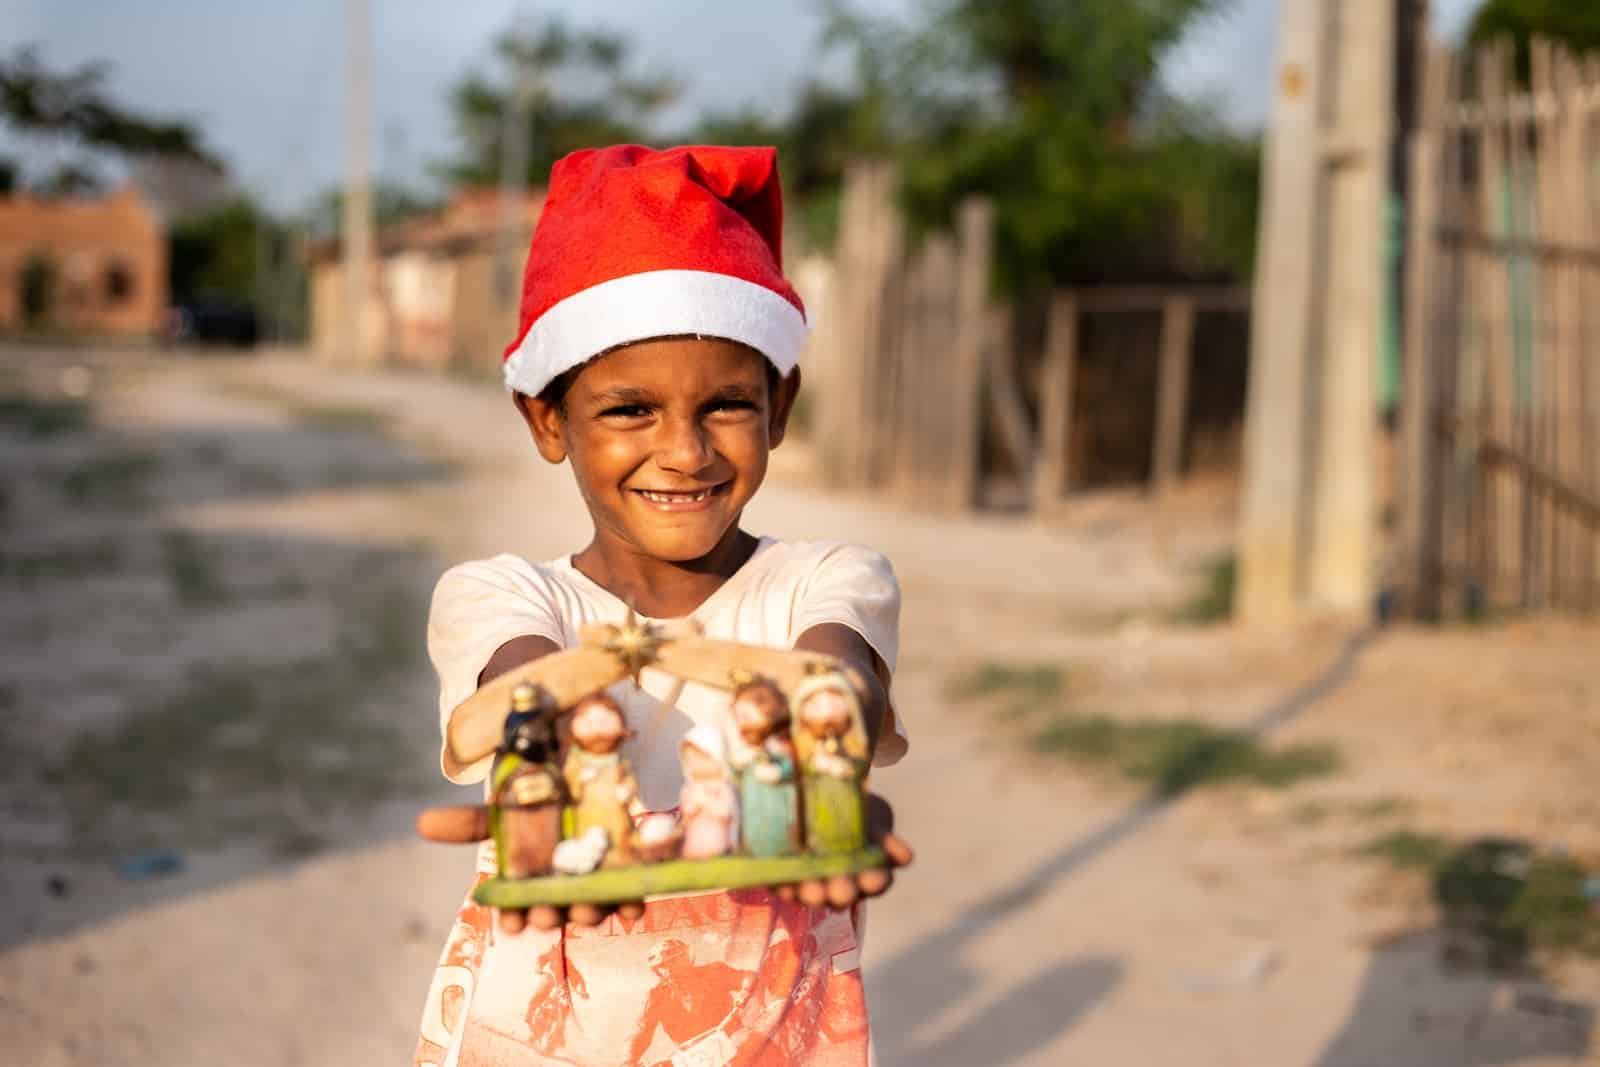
point(675, 498)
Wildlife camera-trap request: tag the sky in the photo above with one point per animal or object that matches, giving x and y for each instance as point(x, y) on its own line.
point(264, 81)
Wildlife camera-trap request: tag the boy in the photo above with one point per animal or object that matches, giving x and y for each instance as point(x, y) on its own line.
point(657, 354)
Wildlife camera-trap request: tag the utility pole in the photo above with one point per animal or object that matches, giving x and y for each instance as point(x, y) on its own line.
point(514, 137)
point(1308, 527)
point(355, 231)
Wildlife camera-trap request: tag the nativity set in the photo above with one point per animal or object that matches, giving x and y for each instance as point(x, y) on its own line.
point(777, 797)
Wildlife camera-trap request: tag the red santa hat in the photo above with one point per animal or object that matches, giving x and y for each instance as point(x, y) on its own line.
point(634, 243)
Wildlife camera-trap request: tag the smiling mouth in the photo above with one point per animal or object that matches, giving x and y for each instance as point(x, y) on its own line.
point(681, 498)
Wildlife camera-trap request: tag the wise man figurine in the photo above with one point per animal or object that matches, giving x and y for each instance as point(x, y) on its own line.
point(526, 791)
point(600, 782)
point(831, 742)
point(769, 798)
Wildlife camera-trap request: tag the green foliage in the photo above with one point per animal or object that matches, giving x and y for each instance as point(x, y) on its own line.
point(1575, 25)
point(1507, 892)
point(1175, 755)
point(1048, 107)
point(575, 88)
point(73, 105)
point(240, 253)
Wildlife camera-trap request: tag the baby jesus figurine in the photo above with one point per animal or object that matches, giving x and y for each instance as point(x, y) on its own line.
point(769, 799)
point(599, 780)
point(708, 805)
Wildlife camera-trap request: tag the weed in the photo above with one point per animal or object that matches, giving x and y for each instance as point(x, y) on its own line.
point(1032, 682)
point(65, 561)
point(1178, 754)
point(1506, 893)
point(40, 417)
point(191, 567)
point(1409, 850)
point(118, 480)
point(1214, 601)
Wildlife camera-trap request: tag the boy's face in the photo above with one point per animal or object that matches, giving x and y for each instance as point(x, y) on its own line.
point(668, 440)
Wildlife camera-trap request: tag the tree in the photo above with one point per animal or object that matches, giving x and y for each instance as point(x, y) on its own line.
point(1574, 23)
point(577, 91)
point(1050, 108)
point(73, 107)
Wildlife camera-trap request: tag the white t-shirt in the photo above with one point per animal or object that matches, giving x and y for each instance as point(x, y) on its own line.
point(701, 979)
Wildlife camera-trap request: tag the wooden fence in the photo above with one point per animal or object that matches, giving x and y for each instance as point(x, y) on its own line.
point(932, 392)
point(1500, 460)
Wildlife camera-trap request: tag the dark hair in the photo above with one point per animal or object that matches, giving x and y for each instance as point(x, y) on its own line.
point(555, 394)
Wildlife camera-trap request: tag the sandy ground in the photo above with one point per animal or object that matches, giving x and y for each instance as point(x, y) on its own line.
point(231, 537)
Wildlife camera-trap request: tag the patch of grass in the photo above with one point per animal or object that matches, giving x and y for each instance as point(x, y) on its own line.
point(1409, 850)
point(119, 480)
point(1028, 681)
point(192, 569)
point(1178, 754)
point(43, 417)
point(1214, 600)
point(1507, 894)
point(270, 750)
point(313, 413)
point(85, 560)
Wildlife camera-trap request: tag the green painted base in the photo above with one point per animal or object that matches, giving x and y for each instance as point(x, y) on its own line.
point(672, 876)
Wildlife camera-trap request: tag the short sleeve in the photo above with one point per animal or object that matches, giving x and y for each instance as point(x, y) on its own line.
point(855, 586)
point(477, 607)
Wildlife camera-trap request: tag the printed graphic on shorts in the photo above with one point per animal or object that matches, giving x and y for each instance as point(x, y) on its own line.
point(696, 981)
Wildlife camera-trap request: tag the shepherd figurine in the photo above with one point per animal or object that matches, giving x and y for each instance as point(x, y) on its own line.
point(831, 741)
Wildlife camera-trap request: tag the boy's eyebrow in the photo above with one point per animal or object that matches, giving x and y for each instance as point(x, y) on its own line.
point(623, 394)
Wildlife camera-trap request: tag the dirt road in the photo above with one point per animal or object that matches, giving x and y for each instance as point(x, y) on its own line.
point(190, 544)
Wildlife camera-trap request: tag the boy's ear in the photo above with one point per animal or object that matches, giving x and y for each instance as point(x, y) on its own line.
point(782, 407)
point(544, 421)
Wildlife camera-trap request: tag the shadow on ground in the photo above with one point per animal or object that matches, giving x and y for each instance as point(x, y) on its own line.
point(1411, 1011)
point(938, 978)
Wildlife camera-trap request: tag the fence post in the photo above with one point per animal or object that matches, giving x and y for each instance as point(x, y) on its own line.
point(1052, 472)
point(1172, 390)
point(1420, 528)
point(975, 229)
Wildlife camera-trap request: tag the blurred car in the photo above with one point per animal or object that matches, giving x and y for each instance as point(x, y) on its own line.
point(212, 322)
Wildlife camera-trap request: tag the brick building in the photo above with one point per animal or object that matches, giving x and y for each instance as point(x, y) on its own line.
point(95, 266)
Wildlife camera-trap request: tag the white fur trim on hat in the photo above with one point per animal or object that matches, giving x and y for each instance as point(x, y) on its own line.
point(657, 303)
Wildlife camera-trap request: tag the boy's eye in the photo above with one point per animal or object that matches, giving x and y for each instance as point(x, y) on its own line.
point(625, 411)
point(730, 404)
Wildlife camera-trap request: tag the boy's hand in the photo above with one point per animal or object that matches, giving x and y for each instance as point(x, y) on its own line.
point(470, 823)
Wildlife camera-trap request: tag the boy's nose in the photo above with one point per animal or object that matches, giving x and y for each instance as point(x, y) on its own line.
point(684, 447)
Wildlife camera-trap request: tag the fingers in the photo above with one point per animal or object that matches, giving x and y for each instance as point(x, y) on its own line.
point(813, 894)
point(631, 910)
point(455, 825)
point(786, 892)
point(545, 917)
point(874, 882)
point(512, 922)
point(841, 891)
point(899, 853)
point(587, 914)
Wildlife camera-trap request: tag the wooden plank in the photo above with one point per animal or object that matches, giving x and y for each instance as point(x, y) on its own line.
point(1172, 391)
point(975, 224)
point(1420, 500)
point(1013, 428)
point(1587, 392)
point(1052, 472)
point(1493, 301)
